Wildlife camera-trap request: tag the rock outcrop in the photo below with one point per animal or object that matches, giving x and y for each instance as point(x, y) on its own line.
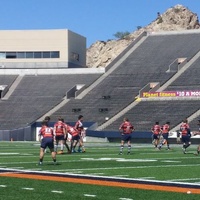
point(177, 18)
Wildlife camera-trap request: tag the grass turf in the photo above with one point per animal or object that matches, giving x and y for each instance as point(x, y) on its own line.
point(102, 160)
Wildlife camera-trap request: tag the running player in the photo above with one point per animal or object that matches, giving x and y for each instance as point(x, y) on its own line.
point(126, 129)
point(60, 132)
point(165, 134)
point(79, 126)
point(46, 137)
point(185, 133)
point(156, 130)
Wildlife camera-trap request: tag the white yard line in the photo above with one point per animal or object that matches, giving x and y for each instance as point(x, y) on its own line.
point(3, 186)
point(184, 179)
point(27, 188)
point(57, 191)
point(89, 195)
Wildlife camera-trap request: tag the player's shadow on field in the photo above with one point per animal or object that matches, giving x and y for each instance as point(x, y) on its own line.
point(52, 164)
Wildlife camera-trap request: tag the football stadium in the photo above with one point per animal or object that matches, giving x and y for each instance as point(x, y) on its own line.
point(155, 79)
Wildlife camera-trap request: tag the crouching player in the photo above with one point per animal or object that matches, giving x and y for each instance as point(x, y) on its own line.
point(75, 137)
point(46, 137)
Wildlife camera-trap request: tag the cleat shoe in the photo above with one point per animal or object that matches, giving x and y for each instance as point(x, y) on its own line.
point(129, 153)
point(184, 150)
point(120, 153)
point(40, 163)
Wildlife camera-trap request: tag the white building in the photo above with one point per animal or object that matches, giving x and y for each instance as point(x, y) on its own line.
point(42, 49)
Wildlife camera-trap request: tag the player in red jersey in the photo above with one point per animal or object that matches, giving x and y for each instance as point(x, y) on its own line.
point(47, 119)
point(46, 137)
point(60, 133)
point(185, 133)
point(75, 137)
point(79, 126)
point(165, 134)
point(126, 129)
point(156, 130)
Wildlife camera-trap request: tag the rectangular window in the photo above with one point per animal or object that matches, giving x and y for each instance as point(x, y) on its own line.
point(21, 55)
point(2, 55)
point(55, 54)
point(38, 54)
point(11, 55)
point(46, 54)
point(29, 54)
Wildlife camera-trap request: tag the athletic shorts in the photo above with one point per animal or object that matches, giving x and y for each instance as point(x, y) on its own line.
point(155, 136)
point(185, 139)
point(126, 137)
point(59, 137)
point(76, 137)
point(47, 142)
point(165, 136)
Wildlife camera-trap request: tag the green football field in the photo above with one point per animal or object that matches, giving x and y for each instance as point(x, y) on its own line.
point(100, 173)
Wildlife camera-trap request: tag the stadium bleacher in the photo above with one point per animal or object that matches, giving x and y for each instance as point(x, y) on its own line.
point(35, 95)
point(149, 62)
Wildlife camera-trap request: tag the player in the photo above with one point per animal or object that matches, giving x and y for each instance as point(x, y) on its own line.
point(75, 137)
point(126, 129)
point(165, 134)
point(66, 137)
point(79, 126)
point(156, 130)
point(47, 119)
point(46, 137)
point(185, 133)
point(60, 133)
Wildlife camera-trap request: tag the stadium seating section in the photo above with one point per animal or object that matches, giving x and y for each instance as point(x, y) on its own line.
point(149, 62)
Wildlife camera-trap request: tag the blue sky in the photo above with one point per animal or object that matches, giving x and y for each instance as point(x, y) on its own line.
point(94, 19)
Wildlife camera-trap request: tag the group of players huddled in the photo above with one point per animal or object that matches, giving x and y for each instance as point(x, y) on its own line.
point(60, 134)
point(160, 135)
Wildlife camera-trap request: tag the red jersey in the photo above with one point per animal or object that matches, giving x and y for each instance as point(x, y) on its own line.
point(184, 128)
point(59, 128)
point(126, 127)
point(165, 128)
point(156, 129)
point(46, 131)
point(71, 130)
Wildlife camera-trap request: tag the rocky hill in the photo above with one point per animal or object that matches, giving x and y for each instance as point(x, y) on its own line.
point(178, 18)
